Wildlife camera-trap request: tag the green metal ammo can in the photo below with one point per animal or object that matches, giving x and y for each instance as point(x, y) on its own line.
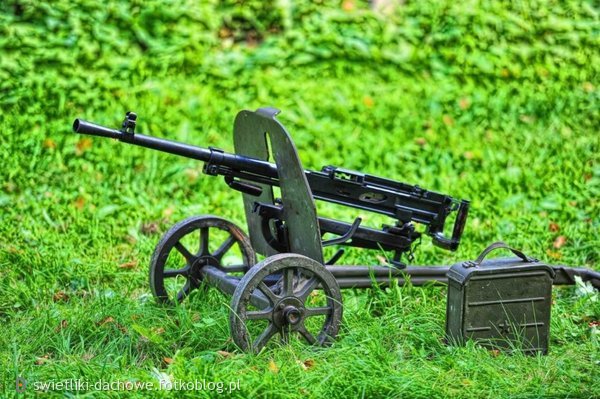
point(501, 303)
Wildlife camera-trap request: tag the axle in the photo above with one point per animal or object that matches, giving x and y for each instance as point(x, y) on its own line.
point(367, 277)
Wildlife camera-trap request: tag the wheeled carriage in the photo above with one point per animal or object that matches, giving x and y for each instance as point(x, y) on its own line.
point(293, 290)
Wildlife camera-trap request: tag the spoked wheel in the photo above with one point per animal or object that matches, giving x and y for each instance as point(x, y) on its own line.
point(292, 306)
point(192, 244)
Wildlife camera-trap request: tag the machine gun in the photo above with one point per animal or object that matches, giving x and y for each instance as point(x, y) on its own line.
point(255, 177)
point(281, 290)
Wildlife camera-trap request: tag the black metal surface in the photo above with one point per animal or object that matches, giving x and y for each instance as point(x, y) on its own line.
point(299, 215)
point(227, 284)
point(503, 310)
point(288, 308)
point(251, 142)
point(195, 259)
point(565, 275)
point(500, 303)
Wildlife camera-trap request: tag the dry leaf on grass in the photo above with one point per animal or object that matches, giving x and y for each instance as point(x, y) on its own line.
point(225, 354)
point(60, 296)
point(63, 324)
point(83, 145)
point(128, 265)
point(307, 364)
point(559, 242)
point(42, 359)
point(273, 368)
point(106, 320)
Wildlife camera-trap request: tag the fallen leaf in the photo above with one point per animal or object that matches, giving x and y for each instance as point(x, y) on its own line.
point(168, 212)
point(553, 254)
point(192, 174)
point(63, 324)
point(559, 242)
point(225, 32)
point(149, 228)
point(128, 265)
point(273, 368)
point(42, 360)
point(526, 119)
point(594, 323)
point(308, 364)
point(588, 86)
point(368, 101)
point(49, 143)
point(79, 203)
point(106, 320)
point(348, 5)
point(464, 103)
point(83, 145)
point(448, 120)
point(168, 360)
point(495, 352)
point(158, 330)
point(553, 227)
point(60, 296)
point(225, 354)
point(420, 141)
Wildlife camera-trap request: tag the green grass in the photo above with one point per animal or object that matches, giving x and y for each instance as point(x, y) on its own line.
point(496, 102)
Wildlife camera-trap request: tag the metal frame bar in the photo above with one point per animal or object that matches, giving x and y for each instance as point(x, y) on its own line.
point(367, 276)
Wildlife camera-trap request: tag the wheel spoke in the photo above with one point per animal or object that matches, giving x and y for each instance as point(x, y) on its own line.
point(307, 335)
point(226, 246)
point(320, 311)
point(184, 271)
point(268, 293)
point(184, 251)
point(307, 288)
point(260, 314)
point(264, 337)
point(204, 241)
point(288, 281)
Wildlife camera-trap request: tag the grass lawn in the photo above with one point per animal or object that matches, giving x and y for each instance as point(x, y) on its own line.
point(495, 102)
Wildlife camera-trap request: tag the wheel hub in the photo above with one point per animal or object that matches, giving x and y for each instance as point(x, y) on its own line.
point(288, 312)
point(200, 262)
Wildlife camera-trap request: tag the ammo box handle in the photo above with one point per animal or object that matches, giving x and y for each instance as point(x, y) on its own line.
point(494, 246)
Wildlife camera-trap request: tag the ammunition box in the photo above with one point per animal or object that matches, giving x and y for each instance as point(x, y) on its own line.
point(500, 303)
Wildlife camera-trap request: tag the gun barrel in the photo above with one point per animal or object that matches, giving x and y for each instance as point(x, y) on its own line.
point(209, 155)
point(92, 129)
